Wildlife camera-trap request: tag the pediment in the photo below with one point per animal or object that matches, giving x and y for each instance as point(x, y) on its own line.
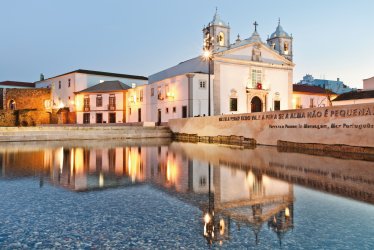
point(255, 52)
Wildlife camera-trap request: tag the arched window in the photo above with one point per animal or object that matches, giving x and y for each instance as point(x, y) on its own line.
point(221, 39)
point(12, 105)
point(286, 48)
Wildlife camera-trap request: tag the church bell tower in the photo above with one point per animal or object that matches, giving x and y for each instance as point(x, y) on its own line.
point(218, 33)
point(281, 42)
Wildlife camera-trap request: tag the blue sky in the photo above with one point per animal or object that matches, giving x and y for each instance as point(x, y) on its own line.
point(332, 38)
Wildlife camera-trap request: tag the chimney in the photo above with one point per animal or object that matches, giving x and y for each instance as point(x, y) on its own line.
point(41, 77)
point(338, 79)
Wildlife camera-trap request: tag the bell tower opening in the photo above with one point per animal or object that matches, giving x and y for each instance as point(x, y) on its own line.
point(218, 31)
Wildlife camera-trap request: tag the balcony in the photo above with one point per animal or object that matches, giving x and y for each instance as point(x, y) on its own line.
point(111, 107)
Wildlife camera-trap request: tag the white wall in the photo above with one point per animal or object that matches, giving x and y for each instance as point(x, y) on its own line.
point(302, 100)
point(356, 101)
point(369, 84)
point(79, 81)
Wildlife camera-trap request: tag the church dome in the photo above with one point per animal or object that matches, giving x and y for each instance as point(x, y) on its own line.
point(217, 20)
point(255, 37)
point(279, 32)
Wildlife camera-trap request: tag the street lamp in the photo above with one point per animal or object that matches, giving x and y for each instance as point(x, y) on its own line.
point(208, 56)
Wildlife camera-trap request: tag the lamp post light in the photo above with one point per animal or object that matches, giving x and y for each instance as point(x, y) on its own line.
point(208, 56)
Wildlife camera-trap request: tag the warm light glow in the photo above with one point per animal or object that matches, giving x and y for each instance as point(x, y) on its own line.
point(72, 102)
point(170, 94)
point(79, 165)
point(101, 180)
point(250, 178)
point(61, 158)
point(61, 105)
point(221, 227)
point(171, 172)
point(287, 212)
point(207, 218)
point(207, 54)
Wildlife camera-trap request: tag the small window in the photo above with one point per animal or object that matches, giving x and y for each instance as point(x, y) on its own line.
point(277, 105)
point(141, 95)
point(12, 105)
point(133, 85)
point(167, 110)
point(152, 91)
point(174, 109)
point(202, 181)
point(59, 84)
point(69, 97)
point(202, 84)
point(233, 104)
point(129, 111)
point(69, 83)
point(99, 101)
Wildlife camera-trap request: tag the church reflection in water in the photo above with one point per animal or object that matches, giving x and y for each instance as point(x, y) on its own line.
point(231, 187)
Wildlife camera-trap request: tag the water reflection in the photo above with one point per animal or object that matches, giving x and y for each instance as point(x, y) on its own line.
point(231, 186)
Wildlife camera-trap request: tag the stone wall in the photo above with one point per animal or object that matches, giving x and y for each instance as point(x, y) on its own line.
point(11, 118)
point(349, 125)
point(27, 98)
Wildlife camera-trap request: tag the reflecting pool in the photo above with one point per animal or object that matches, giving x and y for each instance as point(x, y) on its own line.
point(159, 194)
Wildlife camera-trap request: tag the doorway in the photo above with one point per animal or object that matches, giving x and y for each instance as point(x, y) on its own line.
point(112, 117)
point(256, 104)
point(139, 115)
point(184, 111)
point(99, 118)
point(86, 118)
point(159, 117)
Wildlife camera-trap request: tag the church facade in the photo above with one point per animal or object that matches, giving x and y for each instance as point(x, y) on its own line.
point(246, 76)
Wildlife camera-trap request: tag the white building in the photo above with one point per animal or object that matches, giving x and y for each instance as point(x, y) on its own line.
point(308, 96)
point(102, 103)
point(246, 76)
point(64, 86)
point(369, 83)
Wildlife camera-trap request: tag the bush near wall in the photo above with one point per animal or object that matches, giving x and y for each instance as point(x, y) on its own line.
point(10, 118)
point(7, 118)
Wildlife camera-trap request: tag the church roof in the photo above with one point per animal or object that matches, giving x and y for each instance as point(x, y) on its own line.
point(107, 86)
point(255, 38)
point(194, 65)
point(353, 95)
point(311, 89)
point(279, 32)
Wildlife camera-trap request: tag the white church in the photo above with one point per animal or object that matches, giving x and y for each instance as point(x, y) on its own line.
point(249, 75)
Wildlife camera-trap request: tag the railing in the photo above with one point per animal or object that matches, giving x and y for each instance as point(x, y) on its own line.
point(111, 107)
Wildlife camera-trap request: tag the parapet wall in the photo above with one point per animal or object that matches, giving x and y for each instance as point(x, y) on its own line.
point(347, 125)
point(74, 132)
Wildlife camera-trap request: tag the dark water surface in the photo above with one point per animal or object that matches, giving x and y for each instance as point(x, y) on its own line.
point(158, 194)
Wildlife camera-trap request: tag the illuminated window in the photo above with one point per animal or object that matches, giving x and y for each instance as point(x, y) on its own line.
point(141, 95)
point(256, 77)
point(285, 48)
point(233, 104)
point(221, 39)
point(133, 85)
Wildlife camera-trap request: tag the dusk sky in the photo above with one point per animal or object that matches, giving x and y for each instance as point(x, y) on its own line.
point(332, 38)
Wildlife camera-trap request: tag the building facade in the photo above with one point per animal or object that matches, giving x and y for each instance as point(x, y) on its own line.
point(307, 96)
point(337, 86)
point(369, 83)
point(64, 86)
point(102, 103)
